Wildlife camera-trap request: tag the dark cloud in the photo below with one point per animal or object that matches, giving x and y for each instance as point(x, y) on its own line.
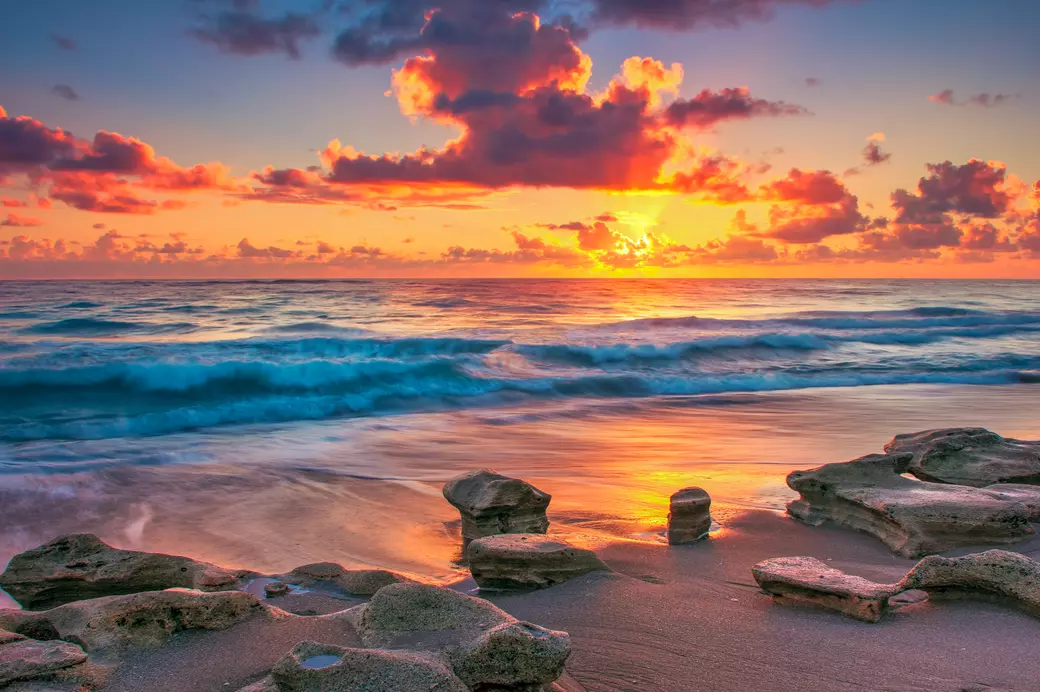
point(946, 97)
point(710, 107)
point(976, 188)
point(28, 142)
point(245, 33)
point(64, 42)
point(689, 14)
point(249, 251)
point(813, 82)
point(65, 91)
point(874, 155)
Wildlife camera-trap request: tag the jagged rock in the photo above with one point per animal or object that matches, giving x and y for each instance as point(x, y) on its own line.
point(485, 646)
point(312, 667)
point(145, 619)
point(76, 567)
point(527, 561)
point(28, 659)
point(994, 573)
point(969, 456)
point(806, 580)
point(491, 504)
point(911, 517)
point(689, 518)
point(360, 582)
point(8, 637)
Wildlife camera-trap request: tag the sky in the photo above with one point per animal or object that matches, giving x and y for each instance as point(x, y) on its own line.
point(519, 138)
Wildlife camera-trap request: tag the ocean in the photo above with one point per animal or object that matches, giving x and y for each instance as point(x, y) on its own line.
point(260, 423)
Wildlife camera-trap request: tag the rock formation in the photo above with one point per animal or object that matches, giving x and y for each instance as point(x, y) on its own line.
point(28, 659)
point(357, 582)
point(911, 517)
point(969, 456)
point(144, 619)
point(689, 517)
point(994, 575)
point(491, 504)
point(75, 567)
point(484, 646)
point(528, 561)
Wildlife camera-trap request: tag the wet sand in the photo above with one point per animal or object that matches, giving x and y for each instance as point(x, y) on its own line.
point(686, 618)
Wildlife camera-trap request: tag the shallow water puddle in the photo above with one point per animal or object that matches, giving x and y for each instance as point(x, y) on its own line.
point(318, 662)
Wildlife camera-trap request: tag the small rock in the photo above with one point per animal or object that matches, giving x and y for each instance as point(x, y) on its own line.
point(528, 561)
point(492, 504)
point(275, 588)
point(28, 659)
point(359, 582)
point(806, 580)
point(689, 518)
point(76, 567)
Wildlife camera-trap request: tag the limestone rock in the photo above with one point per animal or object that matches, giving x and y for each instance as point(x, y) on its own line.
point(360, 582)
point(28, 659)
point(911, 517)
point(491, 504)
point(312, 667)
point(486, 647)
point(806, 580)
point(76, 567)
point(1028, 495)
point(689, 518)
point(145, 619)
point(969, 456)
point(994, 573)
point(527, 561)
point(275, 588)
point(8, 637)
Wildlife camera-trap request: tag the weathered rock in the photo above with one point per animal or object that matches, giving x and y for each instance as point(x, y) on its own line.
point(491, 504)
point(992, 574)
point(911, 517)
point(1028, 495)
point(145, 619)
point(360, 582)
point(689, 518)
point(8, 637)
point(806, 580)
point(312, 667)
point(485, 647)
point(527, 561)
point(275, 588)
point(76, 567)
point(969, 456)
point(29, 659)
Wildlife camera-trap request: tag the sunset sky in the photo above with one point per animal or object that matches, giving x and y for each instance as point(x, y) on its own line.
point(483, 138)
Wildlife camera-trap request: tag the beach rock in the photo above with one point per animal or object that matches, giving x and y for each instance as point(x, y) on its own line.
point(689, 518)
point(76, 567)
point(991, 575)
point(1028, 495)
point(28, 659)
point(145, 619)
point(491, 504)
point(806, 580)
point(911, 517)
point(312, 667)
point(275, 589)
point(485, 647)
point(528, 561)
point(969, 456)
point(359, 582)
point(8, 637)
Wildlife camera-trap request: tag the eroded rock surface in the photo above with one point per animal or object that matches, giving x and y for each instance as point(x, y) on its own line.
point(76, 567)
point(994, 575)
point(312, 667)
point(912, 517)
point(359, 582)
point(528, 561)
point(689, 517)
point(27, 659)
point(806, 580)
point(485, 647)
point(969, 456)
point(145, 619)
point(491, 504)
